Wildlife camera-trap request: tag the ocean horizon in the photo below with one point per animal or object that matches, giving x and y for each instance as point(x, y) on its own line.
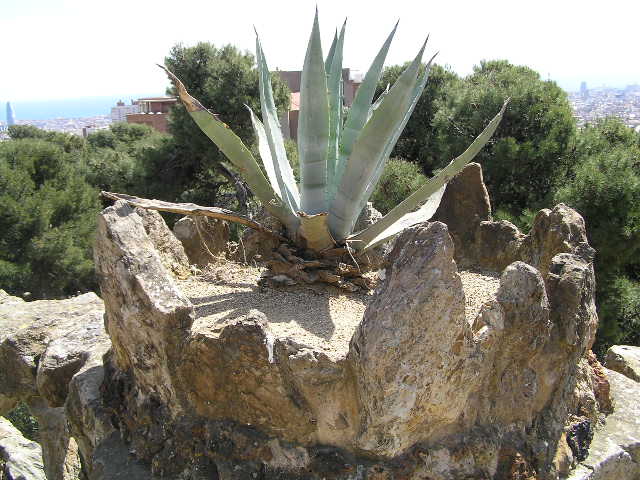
point(68, 107)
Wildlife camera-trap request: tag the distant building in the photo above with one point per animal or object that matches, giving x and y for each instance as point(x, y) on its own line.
point(89, 129)
point(290, 123)
point(121, 110)
point(153, 111)
point(351, 80)
point(584, 91)
point(11, 116)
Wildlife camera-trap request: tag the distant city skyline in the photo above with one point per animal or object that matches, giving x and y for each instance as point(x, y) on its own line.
point(81, 107)
point(71, 48)
point(589, 105)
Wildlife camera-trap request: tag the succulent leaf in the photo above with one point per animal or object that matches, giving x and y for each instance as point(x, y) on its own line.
point(359, 112)
point(334, 86)
point(377, 103)
point(327, 63)
point(369, 147)
point(424, 213)
point(265, 151)
point(283, 173)
point(382, 160)
point(386, 226)
point(313, 127)
point(237, 152)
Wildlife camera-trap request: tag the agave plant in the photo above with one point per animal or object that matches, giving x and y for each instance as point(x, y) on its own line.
point(341, 159)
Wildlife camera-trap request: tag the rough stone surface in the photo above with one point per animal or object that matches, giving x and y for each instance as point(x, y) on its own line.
point(43, 344)
point(433, 384)
point(148, 336)
point(559, 230)
point(257, 244)
point(5, 298)
point(88, 419)
point(614, 451)
point(624, 359)
point(515, 380)
point(202, 241)
point(418, 373)
point(464, 205)
point(59, 449)
point(591, 398)
point(70, 327)
point(374, 258)
point(113, 461)
point(166, 244)
point(22, 458)
point(66, 354)
point(237, 343)
point(368, 217)
point(400, 407)
point(496, 245)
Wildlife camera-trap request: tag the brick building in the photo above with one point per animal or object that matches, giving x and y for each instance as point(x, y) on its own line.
point(153, 111)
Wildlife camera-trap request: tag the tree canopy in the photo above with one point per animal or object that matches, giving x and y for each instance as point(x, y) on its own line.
point(47, 216)
point(605, 189)
point(224, 80)
point(529, 154)
point(418, 142)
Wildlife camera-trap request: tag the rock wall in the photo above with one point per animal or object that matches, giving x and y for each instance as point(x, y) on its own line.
point(425, 390)
point(203, 238)
point(43, 346)
point(418, 375)
point(20, 459)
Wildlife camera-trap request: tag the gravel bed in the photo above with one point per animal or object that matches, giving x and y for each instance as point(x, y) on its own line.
point(479, 288)
point(322, 318)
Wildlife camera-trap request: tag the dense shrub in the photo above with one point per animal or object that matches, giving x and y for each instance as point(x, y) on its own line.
point(524, 221)
point(117, 159)
point(529, 155)
point(67, 141)
point(619, 310)
point(605, 189)
point(418, 142)
point(47, 216)
point(23, 421)
point(399, 179)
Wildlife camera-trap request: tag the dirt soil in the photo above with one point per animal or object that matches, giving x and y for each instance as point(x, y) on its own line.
point(320, 316)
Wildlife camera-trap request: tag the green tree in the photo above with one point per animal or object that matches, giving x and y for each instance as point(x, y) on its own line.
point(529, 154)
point(399, 179)
point(47, 216)
point(67, 141)
point(224, 80)
point(605, 189)
point(117, 159)
point(418, 142)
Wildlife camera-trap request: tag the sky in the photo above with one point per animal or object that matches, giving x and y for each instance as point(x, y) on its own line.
point(56, 49)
